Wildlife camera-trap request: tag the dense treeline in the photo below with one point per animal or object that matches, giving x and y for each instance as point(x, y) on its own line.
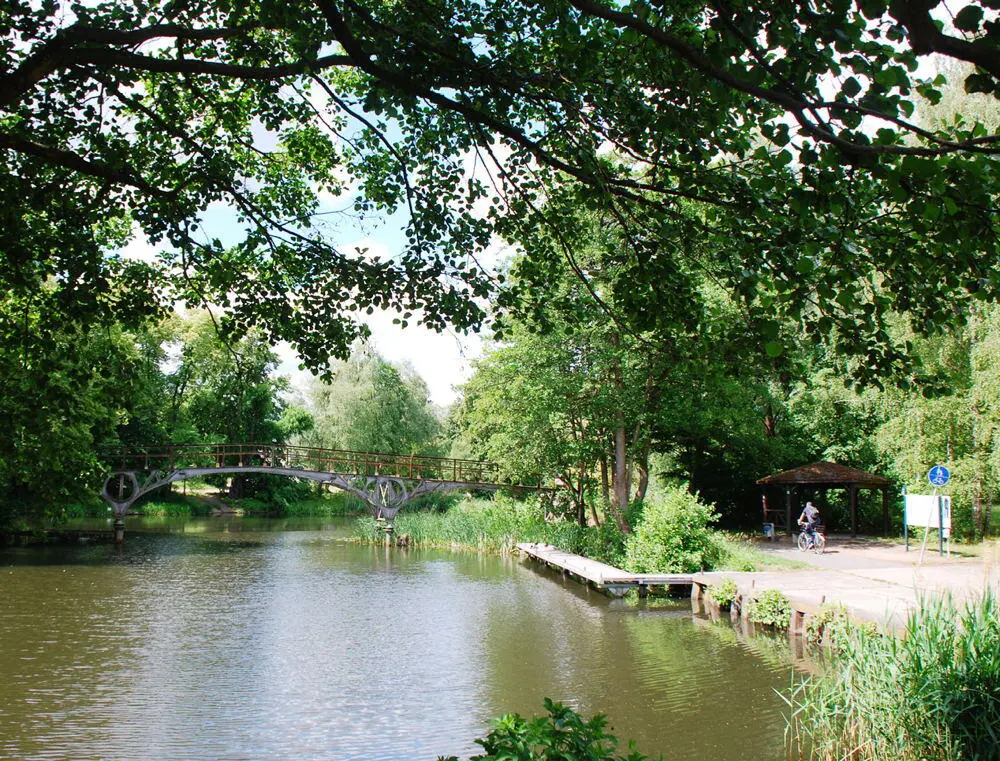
point(698, 393)
point(68, 390)
point(371, 405)
point(570, 396)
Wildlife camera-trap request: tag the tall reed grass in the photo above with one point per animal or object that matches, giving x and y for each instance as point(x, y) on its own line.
point(931, 695)
point(496, 526)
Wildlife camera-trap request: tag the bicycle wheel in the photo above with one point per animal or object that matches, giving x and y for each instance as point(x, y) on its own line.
point(803, 541)
point(819, 542)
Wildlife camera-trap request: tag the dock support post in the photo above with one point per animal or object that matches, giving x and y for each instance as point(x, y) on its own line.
point(119, 529)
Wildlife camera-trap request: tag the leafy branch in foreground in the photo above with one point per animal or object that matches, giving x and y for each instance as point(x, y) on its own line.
point(726, 145)
point(562, 735)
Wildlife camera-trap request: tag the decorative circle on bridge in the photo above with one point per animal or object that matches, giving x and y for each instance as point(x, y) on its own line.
point(119, 488)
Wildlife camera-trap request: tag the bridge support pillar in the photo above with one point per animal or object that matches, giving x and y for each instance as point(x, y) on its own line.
point(121, 490)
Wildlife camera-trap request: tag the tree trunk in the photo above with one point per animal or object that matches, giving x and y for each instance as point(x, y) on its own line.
point(595, 519)
point(581, 510)
point(605, 486)
point(621, 484)
point(642, 465)
point(620, 502)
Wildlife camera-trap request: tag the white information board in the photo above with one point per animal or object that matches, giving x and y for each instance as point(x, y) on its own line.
point(922, 510)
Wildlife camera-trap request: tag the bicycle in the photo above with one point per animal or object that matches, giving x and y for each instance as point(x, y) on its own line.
point(811, 540)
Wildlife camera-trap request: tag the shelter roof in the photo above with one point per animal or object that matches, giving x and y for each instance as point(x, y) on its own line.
point(826, 474)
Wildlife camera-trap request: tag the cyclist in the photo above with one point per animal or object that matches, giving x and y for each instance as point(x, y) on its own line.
point(809, 520)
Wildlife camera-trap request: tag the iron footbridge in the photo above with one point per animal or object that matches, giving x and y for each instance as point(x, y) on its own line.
point(384, 482)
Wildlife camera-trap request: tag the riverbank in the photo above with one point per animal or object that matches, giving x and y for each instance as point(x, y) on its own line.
point(932, 694)
point(870, 580)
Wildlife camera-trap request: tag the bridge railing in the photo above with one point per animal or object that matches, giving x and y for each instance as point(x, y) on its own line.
point(210, 456)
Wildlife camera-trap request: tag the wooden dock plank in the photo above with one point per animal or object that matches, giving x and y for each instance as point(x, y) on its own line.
point(601, 575)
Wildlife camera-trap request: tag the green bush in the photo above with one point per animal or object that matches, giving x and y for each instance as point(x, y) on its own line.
point(830, 625)
point(771, 608)
point(931, 695)
point(563, 735)
point(673, 535)
point(172, 505)
point(335, 503)
point(253, 506)
point(605, 542)
point(87, 507)
point(723, 594)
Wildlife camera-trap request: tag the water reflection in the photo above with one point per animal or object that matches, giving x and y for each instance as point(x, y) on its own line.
point(222, 640)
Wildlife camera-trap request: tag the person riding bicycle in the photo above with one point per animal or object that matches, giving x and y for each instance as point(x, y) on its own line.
point(809, 520)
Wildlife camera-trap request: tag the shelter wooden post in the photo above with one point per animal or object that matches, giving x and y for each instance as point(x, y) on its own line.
point(788, 511)
point(885, 512)
point(852, 491)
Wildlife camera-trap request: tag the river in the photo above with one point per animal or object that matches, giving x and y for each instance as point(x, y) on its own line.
point(234, 639)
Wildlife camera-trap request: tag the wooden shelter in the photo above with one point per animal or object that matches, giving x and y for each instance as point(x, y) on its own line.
point(823, 476)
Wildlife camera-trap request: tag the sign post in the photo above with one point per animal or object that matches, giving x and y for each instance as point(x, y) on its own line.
point(939, 475)
point(930, 511)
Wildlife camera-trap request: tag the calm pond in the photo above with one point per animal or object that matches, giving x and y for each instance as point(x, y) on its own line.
point(234, 639)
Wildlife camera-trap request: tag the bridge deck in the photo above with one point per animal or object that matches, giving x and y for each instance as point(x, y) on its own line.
point(601, 575)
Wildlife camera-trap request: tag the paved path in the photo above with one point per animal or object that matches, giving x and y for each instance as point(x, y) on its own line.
point(874, 580)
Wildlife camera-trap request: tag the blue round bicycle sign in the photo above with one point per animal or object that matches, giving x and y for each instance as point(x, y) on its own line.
point(938, 475)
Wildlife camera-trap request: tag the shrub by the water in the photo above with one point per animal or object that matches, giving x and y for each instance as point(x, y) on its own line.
point(326, 505)
point(172, 505)
point(723, 594)
point(563, 735)
point(931, 695)
point(829, 625)
point(674, 535)
point(770, 608)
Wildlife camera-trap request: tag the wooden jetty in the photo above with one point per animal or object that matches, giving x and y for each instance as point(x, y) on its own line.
point(602, 576)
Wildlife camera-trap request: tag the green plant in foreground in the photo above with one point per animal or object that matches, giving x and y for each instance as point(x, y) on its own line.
point(723, 594)
point(931, 695)
point(562, 735)
point(771, 608)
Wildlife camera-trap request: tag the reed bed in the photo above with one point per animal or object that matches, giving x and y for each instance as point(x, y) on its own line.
point(931, 695)
point(496, 526)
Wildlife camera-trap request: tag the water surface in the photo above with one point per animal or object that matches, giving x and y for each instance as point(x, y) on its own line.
point(233, 639)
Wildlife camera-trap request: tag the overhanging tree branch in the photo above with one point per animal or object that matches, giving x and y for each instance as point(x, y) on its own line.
point(77, 163)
